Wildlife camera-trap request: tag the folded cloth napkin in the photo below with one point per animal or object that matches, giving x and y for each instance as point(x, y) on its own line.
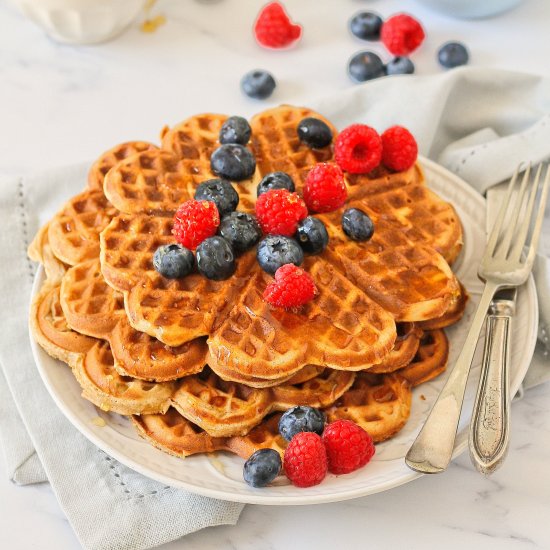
point(479, 123)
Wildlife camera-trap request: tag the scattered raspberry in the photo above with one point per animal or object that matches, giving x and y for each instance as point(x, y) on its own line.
point(274, 29)
point(348, 446)
point(325, 189)
point(399, 149)
point(358, 149)
point(278, 212)
point(292, 287)
point(305, 460)
point(402, 34)
point(195, 221)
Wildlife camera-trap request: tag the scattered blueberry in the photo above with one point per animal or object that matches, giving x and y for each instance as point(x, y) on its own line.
point(241, 230)
point(314, 133)
point(365, 66)
point(312, 235)
point(235, 130)
point(262, 467)
point(215, 259)
point(258, 84)
point(233, 161)
point(277, 250)
point(357, 225)
point(173, 261)
point(220, 192)
point(366, 25)
point(275, 180)
point(453, 54)
point(301, 419)
point(400, 65)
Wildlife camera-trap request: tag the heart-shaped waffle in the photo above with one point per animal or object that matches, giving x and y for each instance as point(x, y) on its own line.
point(40, 251)
point(404, 349)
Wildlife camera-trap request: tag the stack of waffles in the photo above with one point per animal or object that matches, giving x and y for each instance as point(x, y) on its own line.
point(202, 365)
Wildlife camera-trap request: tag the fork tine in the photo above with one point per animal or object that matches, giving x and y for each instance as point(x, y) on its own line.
point(495, 232)
point(521, 237)
point(511, 231)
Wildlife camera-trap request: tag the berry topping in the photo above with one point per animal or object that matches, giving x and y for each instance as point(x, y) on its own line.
point(195, 221)
point(233, 161)
point(235, 130)
point(400, 65)
point(173, 261)
point(215, 259)
point(357, 225)
point(366, 25)
point(305, 460)
point(277, 250)
point(279, 211)
point(399, 149)
point(453, 54)
point(241, 230)
point(220, 192)
point(275, 180)
point(348, 446)
point(258, 84)
point(301, 419)
point(312, 235)
point(325, 189)
point(292, 287)
point(314, 133)
point(262, 467)
point(365, 66)
point(358, 149)
point(274, 29)
point(402, 34)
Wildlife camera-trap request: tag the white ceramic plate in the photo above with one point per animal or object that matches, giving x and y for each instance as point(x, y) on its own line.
point(220, 475)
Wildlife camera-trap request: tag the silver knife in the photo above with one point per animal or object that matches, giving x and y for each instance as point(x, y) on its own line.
point(490, 425)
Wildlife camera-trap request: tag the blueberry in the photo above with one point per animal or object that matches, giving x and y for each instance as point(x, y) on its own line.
point(235, 130)
point(262, 467)
point(357, 225)
point(365, 66)
point(220, 192)
point(314, 133)
point(453, 54)
point(258, 84)
point(233, 161)
point(173, 261)
point(312, 235)
point(277, 250)
point(275, 180)
point(240, 230)
point(215, 259)
point(400, 65)
point(301, 419)
point(366, 25)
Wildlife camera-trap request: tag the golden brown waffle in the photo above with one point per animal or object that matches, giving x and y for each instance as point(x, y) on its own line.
point(451, 316)
point(40, 251)
point(93, 308)
point(109, 158)
point(404, 349)
point(379, 403)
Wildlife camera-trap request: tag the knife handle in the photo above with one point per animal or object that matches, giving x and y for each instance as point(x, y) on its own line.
point(490, 424)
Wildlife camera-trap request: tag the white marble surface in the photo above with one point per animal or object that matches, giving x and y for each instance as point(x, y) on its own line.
point(62, 104)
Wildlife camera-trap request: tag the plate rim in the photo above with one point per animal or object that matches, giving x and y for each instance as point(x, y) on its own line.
point(251, 497)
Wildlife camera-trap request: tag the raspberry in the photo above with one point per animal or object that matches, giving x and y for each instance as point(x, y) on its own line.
point(305, 460)
point(278, 212)
point(358, 149)
point(399, 149)
point(195, 221)
point(325, 189)
point(348, 446)
point(402, 34)
point(274, 29)
point(291, 288)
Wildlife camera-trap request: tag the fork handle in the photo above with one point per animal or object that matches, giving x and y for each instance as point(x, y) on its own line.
point(432, 450)
point(490, 425)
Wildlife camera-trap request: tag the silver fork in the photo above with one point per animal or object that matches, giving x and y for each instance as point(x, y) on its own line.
point(503, 266)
